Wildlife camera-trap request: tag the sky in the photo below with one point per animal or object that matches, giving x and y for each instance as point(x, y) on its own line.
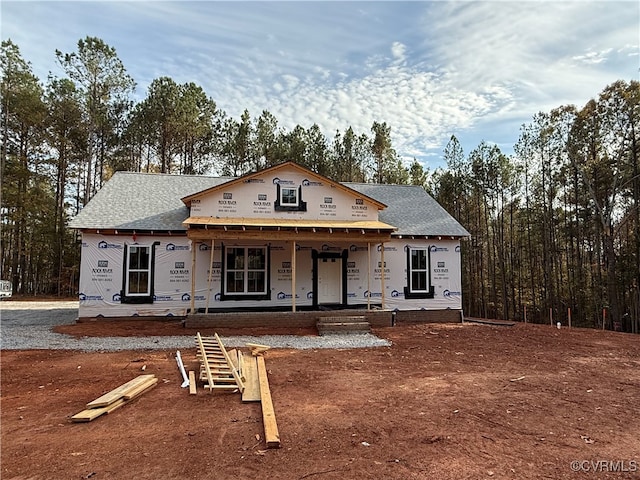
point(478, 70)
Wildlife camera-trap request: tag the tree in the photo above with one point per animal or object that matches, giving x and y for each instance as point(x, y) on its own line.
point(23, 114)
point(418, 175)
point(101, 79)
point(384, 156)
point(349, 156)
point(265, 142)
point(66, 138)
point(198, 119)
point(604, 152)
point(318, 154)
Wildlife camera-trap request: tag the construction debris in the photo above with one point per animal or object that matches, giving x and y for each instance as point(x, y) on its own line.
point(192, 382)
point(185, 380)
point(257, 349)
point(251, 391)
point(217, 368)
point(116, 398)
point(232, 370)
point(271, 435)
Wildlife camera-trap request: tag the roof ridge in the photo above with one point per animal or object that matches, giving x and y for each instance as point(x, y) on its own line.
point(158, 174)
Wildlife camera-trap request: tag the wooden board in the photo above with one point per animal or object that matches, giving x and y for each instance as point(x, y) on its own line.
point(271, 435)
point(252, 382)
point(93, 413)
point(140, 389)
point(117, 393)
point(192, 382)
point(257, 349)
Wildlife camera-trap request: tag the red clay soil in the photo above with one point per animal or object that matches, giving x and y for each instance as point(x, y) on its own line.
point(443, 402)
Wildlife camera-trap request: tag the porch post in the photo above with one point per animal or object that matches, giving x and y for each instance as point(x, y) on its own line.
point(369, 275)
point(206, 310)
point(382, 273)
point(293, 275)
point(193, 277)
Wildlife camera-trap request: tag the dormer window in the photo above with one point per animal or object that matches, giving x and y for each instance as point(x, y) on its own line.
point(289, 198)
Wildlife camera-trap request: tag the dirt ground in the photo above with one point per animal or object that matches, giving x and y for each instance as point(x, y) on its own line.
point(443, 402)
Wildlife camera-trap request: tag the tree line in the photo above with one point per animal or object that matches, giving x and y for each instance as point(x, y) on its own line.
point(554, 226)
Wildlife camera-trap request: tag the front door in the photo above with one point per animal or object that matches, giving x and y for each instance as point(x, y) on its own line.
point(329, 280)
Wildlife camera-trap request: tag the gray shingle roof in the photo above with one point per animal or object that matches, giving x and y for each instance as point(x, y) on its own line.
point(145, 201)
point(412, 210)
point(142, 201)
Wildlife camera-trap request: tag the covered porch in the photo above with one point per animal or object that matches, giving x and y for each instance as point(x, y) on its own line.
point(212, 232)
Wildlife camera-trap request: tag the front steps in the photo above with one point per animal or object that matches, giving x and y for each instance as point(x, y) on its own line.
point(343, 324)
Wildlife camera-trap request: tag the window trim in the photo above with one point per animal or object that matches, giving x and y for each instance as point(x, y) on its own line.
point(138, 298)
point(266, 295)
point(279, 206)
point(409, 291)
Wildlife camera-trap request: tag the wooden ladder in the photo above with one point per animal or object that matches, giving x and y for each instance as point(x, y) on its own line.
point(217, 368)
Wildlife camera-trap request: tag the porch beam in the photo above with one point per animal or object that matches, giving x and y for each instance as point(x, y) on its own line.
point(265, 235)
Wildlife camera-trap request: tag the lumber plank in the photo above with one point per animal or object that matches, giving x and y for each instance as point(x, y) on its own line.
point(257, 349)
point(251, 391)
point(140, 389)
point(117, 393)
point(233, 356)
point(140, 392)
point(271, 434)
point(93, 413)
point(222, 387)
point(192, 382)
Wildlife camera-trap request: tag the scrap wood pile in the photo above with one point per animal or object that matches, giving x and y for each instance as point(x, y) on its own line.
point(116, 398)
point(231, 370)
point(219, 370)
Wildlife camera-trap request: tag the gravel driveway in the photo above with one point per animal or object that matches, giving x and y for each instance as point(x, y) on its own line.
point(28, 325)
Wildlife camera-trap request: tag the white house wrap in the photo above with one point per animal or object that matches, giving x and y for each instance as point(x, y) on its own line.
point(147, 244)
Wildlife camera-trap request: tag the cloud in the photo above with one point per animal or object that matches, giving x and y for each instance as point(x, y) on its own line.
point(428, 69)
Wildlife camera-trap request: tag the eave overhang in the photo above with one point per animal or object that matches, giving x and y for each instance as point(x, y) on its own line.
point(201, 228)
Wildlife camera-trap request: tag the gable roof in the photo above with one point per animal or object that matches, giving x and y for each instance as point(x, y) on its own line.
point(154, 202)
point(281, 166)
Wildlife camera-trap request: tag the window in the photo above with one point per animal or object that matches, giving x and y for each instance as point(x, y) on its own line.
point(289, 199)
point(288, 196)
point(138, 270)
point(138, 274)
point(418, 274)
point(245, 273)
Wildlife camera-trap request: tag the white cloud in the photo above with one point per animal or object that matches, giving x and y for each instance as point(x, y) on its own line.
point(429, 69)
point(592, 57)
point(398, 51)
